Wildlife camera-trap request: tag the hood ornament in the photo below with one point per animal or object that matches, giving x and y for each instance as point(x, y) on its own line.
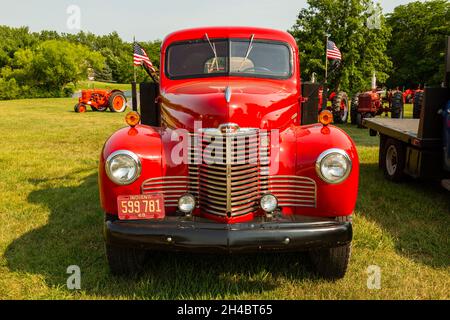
point(229, 128)
point(228, 94)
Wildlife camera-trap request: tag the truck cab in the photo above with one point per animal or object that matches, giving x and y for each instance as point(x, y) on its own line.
point(228, 165)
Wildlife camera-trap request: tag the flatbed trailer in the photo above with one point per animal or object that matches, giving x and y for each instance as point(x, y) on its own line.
point(419, 148)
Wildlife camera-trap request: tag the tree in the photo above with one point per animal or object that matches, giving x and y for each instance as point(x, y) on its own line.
point(47, 69)
point(417, 47)
point(350, 25)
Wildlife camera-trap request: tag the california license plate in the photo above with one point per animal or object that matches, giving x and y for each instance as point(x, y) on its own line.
point(141, 207)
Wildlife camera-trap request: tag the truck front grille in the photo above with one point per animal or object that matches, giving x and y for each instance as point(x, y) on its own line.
point(228, 174)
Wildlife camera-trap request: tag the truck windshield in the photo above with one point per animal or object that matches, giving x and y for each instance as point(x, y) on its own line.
point(229, 57)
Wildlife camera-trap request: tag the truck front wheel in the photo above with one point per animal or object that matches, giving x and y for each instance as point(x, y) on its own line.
point(125, 261)
point(332, 263)
point(394, 160)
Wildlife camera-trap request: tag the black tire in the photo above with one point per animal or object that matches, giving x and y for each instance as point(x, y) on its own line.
point(79, 108)
point(359, 119)
point(114, 95)
point(418, 102)
point(397, 105)
point(125, 261)
point(393, 160)
point(340, 116)
point(332, 263)
point(354, 109)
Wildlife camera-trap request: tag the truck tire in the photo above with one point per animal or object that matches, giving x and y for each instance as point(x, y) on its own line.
point(125, 261)
point(117, 102)
point(354, 108)
point(332, 263)
point(397, 105)
point(340, 108)
point(418, 102)
point(80, 108)
point(394, 158)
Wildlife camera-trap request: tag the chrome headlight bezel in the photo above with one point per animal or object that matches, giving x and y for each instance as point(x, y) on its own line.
point(187, 196)
point(130, 155)
point(329, 153)
point(273, 198)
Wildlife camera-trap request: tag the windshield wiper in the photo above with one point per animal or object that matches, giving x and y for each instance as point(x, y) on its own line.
point(249, 49)
point(213, 48)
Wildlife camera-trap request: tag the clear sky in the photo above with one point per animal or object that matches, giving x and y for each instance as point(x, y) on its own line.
point(153, 19)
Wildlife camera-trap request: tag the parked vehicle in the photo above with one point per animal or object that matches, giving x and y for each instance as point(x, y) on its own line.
point(227, 162)
point(101, 100)
point(418, 147)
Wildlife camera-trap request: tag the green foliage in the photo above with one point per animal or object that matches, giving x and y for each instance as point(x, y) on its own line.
point(47, 69)
point(417, 47)
point(49, 64)
point(363, 48)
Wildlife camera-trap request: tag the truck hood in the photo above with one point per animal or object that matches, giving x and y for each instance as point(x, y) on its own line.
point(256, 103)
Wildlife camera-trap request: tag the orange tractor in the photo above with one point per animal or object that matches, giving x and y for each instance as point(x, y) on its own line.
point(101, 100)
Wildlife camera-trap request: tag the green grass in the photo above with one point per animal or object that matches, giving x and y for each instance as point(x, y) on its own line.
point(50, 218)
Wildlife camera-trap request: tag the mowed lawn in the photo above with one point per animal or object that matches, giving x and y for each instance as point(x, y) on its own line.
point(50, 218)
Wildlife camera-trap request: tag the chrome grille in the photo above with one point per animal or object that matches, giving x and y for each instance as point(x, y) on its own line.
point(229, 173)
point(293, 191)
point(171, 187)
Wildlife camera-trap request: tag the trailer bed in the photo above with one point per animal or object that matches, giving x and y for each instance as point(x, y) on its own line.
point(402, 129)
point(405, 130)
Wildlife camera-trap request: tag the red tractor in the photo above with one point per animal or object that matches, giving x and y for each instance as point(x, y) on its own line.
point(101, 100)
point(339, 106)
point(374, 103)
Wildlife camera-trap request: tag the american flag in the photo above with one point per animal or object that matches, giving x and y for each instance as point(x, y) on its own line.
point(333, 52)
point(141, 58)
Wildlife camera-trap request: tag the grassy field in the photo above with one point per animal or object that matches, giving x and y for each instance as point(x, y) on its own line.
point(50, 218)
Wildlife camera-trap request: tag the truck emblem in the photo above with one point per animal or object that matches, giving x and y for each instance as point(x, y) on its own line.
point(229, 128)
point(228, 94)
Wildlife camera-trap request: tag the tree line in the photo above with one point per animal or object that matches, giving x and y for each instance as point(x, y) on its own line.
point(405, 48)
point(48, 64)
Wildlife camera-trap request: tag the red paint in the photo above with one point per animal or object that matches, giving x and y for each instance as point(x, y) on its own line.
point(255, 102)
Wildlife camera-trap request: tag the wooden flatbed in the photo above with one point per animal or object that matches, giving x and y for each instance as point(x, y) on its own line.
point(405, 130)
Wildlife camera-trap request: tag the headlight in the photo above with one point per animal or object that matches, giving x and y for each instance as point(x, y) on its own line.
point(186, 203)
point(269, 203)
point(123, 167)
point(334, 166)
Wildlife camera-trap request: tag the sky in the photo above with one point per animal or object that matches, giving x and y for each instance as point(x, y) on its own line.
point(152, 19)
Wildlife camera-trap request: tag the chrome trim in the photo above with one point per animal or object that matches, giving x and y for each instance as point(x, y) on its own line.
point(228, 94)
point(328, 153)
point(130, 154)
point(187, 195)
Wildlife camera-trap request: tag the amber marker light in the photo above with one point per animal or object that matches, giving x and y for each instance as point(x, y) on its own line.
point(326, 117)
point(133, 118)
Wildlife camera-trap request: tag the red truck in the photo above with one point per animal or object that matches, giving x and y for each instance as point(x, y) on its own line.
point(227, 162)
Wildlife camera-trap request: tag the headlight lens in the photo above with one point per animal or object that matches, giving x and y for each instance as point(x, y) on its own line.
point(186, 203)
point(334, 166)
point(123, 167)
point(269, 203)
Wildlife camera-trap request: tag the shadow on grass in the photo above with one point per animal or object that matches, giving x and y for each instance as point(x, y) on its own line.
point(415, 213)
point(73, 236)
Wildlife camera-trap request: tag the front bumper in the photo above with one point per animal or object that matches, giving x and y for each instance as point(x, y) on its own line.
point(288, 234)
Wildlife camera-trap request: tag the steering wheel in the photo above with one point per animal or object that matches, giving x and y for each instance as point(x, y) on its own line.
point(258, 68)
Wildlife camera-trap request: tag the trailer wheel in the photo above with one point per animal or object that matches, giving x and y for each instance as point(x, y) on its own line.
point(340, 108)
point(117, 102)
point(397, 105)
point(332, 263)
point(418, 102)
point(394, 160)
point(354, 109)
point(80, 108)
point(125, 261)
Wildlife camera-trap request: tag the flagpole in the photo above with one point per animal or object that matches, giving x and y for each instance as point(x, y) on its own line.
point(325, 87)
point(134, 84)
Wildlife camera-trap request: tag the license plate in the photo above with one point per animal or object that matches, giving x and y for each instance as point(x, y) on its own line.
point(141, 207)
